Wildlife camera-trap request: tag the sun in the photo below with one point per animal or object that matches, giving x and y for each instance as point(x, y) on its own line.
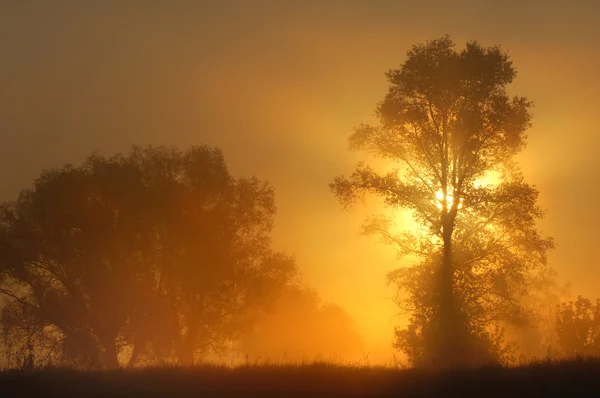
point(439, 195)
point(490, 178)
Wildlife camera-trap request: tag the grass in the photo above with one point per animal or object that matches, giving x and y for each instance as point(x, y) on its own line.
point(569, 378)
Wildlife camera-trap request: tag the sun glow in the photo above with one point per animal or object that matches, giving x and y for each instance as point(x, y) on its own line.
point(490, 178)
point(439, 195)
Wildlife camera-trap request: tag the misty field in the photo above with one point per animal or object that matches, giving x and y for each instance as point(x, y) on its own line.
point(576, 377)
point(245, 200)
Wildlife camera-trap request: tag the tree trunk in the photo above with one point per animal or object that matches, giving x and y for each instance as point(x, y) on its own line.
point(186, 348)
point(186, 356)
point(446, 335)
point(134, 355)
point(187, 342)
point(451, 337)
point(110, 359)
point(455, 345)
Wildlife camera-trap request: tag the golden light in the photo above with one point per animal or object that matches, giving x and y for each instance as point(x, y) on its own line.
point(490, 178)
point(439, 195)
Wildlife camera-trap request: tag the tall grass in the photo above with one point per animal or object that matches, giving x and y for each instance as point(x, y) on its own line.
point(565, 377)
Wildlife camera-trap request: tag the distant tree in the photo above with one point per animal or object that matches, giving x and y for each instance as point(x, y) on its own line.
point(448, 122)
point(301, 327)
point(160, 253)
point(578, 327)
point(540, 338)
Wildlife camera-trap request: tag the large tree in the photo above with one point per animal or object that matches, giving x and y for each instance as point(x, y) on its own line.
point(447, 121)
point(159, 253)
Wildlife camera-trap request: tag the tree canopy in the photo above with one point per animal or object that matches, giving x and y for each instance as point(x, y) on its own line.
point(159, 254)
point(447, 123)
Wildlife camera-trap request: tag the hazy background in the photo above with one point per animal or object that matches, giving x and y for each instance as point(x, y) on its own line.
point(278, 86)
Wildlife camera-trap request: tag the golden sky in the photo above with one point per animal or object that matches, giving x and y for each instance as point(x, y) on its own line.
point(278, 86)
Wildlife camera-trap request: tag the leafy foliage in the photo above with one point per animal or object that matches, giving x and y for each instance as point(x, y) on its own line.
point(448, 123)
point(157, 255)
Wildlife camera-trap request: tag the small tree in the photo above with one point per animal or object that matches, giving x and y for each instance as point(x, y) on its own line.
point(448, 122)
point(578, 327)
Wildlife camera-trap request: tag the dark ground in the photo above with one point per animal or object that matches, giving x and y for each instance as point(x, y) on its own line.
point(571, 378)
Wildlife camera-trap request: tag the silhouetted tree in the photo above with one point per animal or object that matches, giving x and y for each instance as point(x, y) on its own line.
point(578, 327)
point(448, 122)
point(69, 252)
point(160, 252)
point(214, 236)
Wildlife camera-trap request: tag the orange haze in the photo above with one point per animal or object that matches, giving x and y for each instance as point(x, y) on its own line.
point(279, 86)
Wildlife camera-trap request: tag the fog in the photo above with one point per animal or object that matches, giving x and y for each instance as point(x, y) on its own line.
point(279, 87)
